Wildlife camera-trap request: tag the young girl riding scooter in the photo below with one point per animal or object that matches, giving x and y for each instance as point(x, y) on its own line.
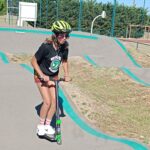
point(46, 63)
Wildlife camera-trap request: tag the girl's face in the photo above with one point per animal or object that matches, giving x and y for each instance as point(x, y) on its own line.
point(62, 37)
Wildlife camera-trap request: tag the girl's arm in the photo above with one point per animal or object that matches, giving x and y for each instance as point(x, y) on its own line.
point(38, 70)
point(66, 70)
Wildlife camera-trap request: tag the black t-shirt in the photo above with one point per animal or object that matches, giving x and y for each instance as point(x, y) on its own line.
point(50, 59)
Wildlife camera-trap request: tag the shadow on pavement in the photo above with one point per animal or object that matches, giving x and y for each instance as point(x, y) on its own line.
point(62, 114)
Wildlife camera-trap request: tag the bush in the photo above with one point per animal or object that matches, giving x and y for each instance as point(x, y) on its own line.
point(2, 7)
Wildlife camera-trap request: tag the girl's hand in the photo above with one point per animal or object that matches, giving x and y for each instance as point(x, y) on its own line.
point(45, 78)
point(67, 78)
point(50, 83)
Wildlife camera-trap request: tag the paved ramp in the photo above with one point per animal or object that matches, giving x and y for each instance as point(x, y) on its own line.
point(19, 118)
point(19, 95)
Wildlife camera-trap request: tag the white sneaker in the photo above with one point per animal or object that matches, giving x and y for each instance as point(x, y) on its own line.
point(40, 130)
point(49, 130)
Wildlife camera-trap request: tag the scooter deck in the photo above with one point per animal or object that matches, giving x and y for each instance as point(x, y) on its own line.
point(53, 138)
point(50, 137)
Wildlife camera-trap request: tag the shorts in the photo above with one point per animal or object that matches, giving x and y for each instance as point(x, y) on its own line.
point(37, 79)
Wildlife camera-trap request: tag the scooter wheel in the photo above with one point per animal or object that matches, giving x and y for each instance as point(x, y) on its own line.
point(59, 142)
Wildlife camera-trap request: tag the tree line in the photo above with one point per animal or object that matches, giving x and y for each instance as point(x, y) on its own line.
point(83, 13)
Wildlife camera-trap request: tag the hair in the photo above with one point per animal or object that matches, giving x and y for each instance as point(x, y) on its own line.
point(52, 39)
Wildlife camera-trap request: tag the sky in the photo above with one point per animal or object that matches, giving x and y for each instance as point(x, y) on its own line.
point(139, 3)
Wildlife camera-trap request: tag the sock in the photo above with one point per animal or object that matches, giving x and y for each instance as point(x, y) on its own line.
point(42, 121)
point(48, 121)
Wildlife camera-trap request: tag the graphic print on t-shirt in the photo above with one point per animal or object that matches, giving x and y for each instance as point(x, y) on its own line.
point(54, 66)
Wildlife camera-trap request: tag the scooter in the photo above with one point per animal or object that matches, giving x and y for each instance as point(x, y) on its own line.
point(57, 136)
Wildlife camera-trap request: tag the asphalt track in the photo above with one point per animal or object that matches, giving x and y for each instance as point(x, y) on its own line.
point(20, 100)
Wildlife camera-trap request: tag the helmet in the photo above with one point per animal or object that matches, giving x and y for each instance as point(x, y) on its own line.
point(61, 27)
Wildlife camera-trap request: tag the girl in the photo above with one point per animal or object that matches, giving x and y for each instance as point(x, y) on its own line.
point(46, 62)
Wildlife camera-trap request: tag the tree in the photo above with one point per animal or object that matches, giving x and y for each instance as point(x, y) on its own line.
point(2, 7)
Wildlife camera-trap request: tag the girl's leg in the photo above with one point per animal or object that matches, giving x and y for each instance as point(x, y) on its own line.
point(52, 109)
point(44, 91)
point(46, 106)
point(50, 114)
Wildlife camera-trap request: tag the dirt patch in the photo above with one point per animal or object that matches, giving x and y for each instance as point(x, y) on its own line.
point(140, 52)
point(19, 58)
point(107, 98)
point(110, 100)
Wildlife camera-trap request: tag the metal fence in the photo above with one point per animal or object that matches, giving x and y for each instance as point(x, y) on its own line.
point(78, 20)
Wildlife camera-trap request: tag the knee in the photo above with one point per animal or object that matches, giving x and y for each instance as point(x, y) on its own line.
point(47, 103)
point(53, 105)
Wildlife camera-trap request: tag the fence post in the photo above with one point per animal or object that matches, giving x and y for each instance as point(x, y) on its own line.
point(80, 16)
point(57, 9)
point(40, 12)
point(113, 19)
point(137, 45)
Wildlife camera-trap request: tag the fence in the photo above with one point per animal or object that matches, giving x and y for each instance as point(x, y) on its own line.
point(80, 14)
point(140, 45)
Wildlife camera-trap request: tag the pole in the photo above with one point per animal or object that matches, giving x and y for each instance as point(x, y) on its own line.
point(57, 9)
point(40, 12)
point(93, 23)
point(7, 12)
point(144, 4)
point(46, 12)
point(143, 12)
point(80, 16)
point(10, 12)
point(103, 15)
point(133, 2)
point(113, 19)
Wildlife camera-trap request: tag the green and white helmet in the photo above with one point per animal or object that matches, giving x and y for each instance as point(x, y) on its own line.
point(61, 27)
